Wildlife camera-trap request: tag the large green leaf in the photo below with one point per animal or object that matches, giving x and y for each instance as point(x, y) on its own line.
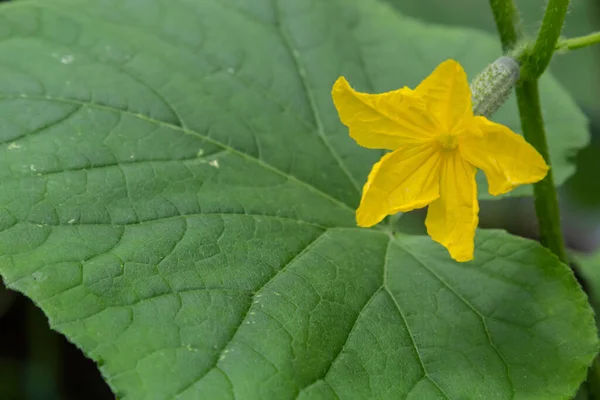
point(177, 194)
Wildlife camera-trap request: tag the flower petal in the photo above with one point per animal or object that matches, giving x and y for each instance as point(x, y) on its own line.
point(505, 157)
point(447, 93)
point(452, 219)
point(403, 180)
point(383, 121)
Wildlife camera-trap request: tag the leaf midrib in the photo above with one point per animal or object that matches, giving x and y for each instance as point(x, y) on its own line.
point(191, 215)
point(185, 131)
point(301, 72)
point(382, 288)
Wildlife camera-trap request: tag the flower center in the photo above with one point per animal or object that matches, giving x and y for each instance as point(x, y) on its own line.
point(448, 141)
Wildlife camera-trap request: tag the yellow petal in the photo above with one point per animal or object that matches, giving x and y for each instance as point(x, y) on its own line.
point(403, 180)
point(447, 94)
point(505, 157)
point(452, 219)
point(383, 121)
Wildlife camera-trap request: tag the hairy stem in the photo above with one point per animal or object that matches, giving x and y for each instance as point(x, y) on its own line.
point(579, 42)
point(507, 20)
point(546, 202)
point(538, 57)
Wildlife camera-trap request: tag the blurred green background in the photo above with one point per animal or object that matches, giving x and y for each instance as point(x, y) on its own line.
point(36, 363)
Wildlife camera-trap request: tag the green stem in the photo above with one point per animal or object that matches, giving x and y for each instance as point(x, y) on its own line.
point(579, 42)
point(539, 56)
point(507, 19)
point(546, 202)
point(534, 62)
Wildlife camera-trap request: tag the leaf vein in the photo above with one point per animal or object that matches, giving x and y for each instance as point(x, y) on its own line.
point(190, 132)
point(247, 312)
point(301, 72)
point(207, 214)
point(44, 127)
point(476, 311)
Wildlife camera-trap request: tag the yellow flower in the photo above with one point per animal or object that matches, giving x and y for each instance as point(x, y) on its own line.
point(437, 145)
